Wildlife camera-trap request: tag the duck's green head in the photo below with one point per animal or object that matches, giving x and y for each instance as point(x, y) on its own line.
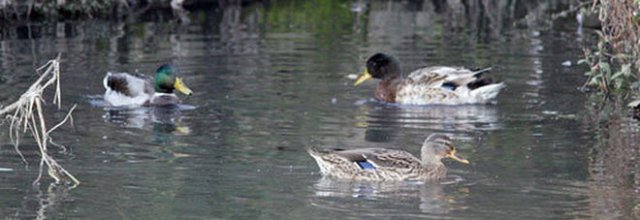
point(166, 80)
point(438, 146)
point(380, 66)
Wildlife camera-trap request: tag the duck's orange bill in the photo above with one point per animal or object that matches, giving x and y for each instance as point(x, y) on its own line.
point(181, 87)
point(363, 77)
point(455, 157)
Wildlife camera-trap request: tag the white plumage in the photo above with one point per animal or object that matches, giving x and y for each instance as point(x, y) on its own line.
point(124, 89)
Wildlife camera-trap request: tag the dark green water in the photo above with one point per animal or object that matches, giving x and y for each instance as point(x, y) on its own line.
point(270, 79)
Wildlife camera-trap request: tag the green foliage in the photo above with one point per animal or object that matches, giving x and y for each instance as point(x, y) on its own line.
point(607, 71)
point(321, 16)
point(615, 63)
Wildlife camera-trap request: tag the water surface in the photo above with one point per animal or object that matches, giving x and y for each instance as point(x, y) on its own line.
point(271, 79)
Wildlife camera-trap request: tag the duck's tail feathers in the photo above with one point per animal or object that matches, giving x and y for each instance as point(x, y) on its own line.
point(105, 81)
point(487, 93)
point(317, 154)
point(479, 73)
point(315, 151)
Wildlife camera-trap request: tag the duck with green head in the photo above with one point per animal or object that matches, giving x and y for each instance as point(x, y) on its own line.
point(132, 90)
point(381, 164)
point(438, 85)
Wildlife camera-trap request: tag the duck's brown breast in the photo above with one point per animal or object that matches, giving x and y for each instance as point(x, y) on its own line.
point(386, 90)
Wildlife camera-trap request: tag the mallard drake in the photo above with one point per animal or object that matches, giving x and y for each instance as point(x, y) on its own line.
point(126, 89)
point(380, 164)
point(439, 85)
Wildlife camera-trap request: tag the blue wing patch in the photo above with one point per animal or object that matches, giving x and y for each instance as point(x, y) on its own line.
point(365, 165)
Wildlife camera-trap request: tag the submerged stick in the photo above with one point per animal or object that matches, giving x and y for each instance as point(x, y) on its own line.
point(27, 114)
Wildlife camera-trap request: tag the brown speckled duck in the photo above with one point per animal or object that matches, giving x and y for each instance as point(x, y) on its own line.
point(381, 164)
point(437, 85)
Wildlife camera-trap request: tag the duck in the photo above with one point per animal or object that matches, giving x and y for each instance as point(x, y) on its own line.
point(382, 164)
point(435, 85)
point(134, 89)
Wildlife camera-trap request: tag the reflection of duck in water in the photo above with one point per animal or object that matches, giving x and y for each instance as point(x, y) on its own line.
point(430, 85)
point(383, 122)
point(430, 197)
point(132, 90)
point(380, 164)
point(166, 119)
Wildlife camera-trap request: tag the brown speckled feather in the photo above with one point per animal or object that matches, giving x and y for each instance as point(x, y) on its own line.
point(384, 158)
point(389, 165)
point(442, 85)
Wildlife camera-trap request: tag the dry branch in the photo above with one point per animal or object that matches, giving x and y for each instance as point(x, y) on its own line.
point(27, 114)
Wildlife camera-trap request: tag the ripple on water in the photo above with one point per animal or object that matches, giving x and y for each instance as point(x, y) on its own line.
point(464, 118)
point(277, 72)
point(560, 197)
point(409, 198)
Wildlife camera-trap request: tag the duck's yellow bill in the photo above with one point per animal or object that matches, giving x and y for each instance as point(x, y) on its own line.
point(363, 77)
point(181, 87)
point(455, 157)
point(183, 130)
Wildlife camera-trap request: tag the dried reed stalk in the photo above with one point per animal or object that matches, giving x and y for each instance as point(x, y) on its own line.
point(27, 114)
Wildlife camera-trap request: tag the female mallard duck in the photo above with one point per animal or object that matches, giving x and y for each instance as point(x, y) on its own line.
point(430, 85)
point(380, 164)
point(124, 89)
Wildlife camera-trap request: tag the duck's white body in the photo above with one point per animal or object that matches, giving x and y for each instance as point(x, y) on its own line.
point(445, 86)
point(124, 89)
